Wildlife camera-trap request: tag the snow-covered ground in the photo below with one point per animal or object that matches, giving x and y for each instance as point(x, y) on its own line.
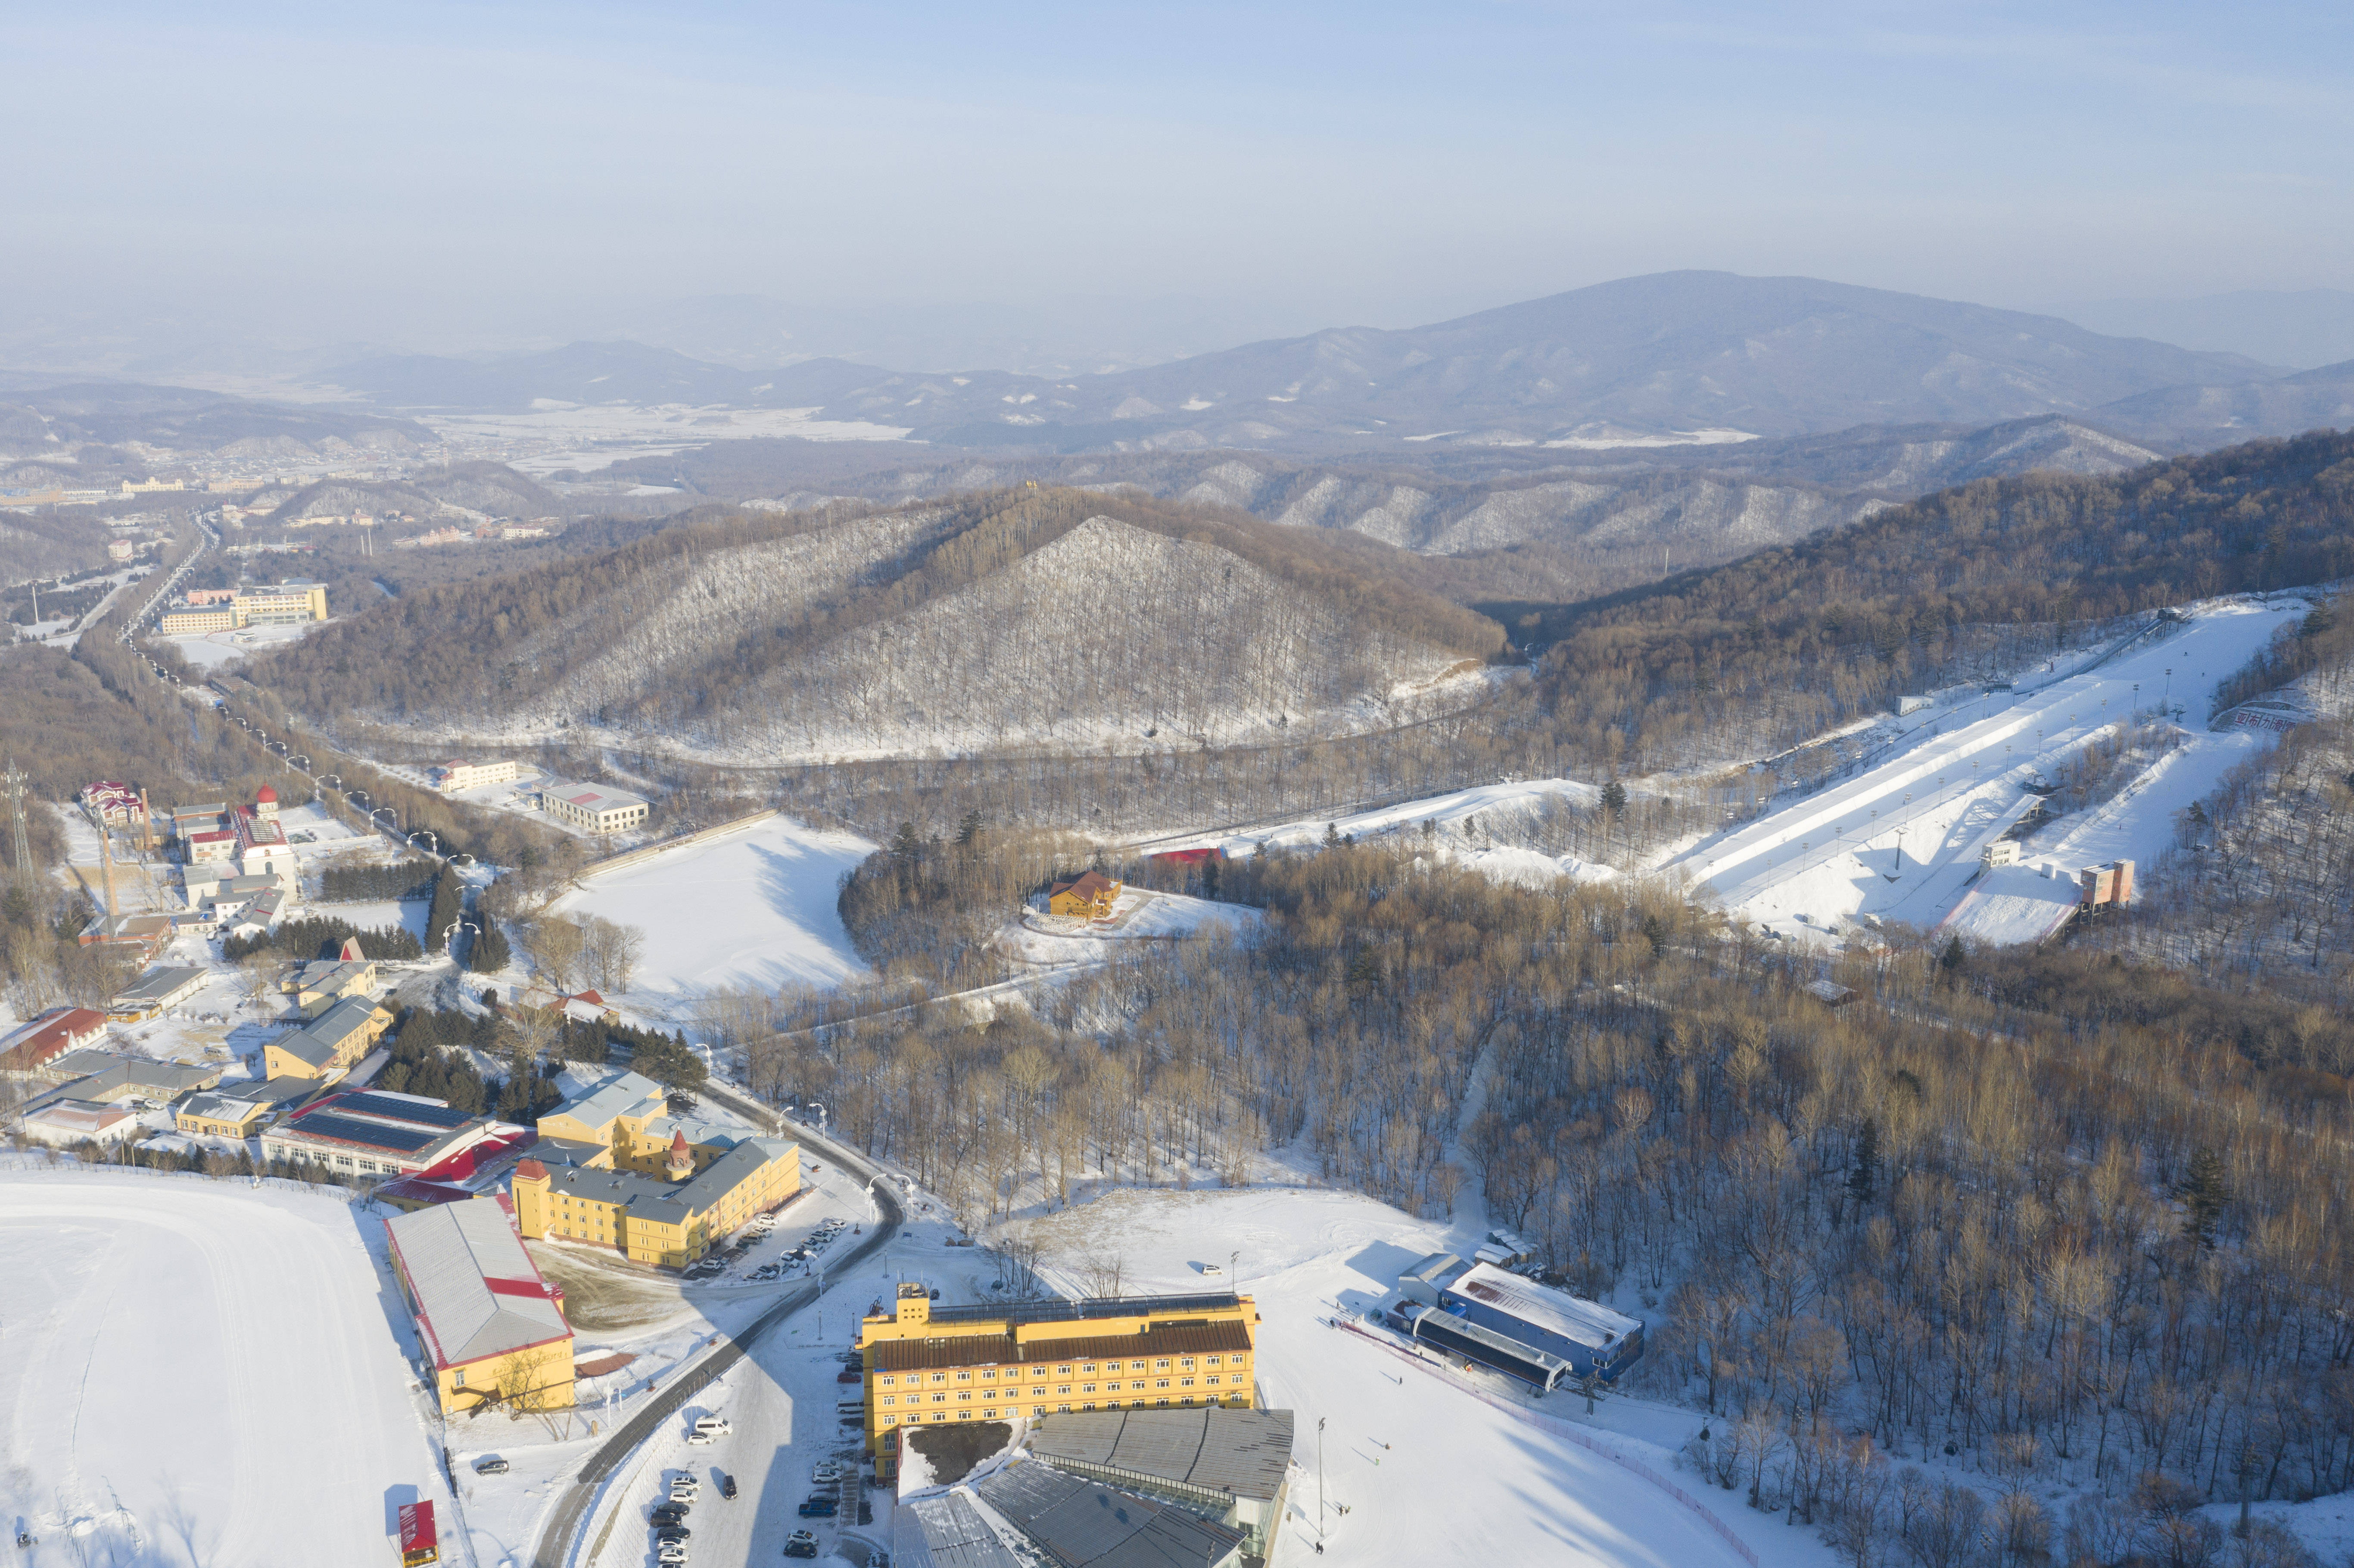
point(754, 909)
point(211, 649)
point(565, 436)
point(203, 1371)
point(1048, 941)
point(1427, 1470)
point(1901, 842)
point(1496, 804)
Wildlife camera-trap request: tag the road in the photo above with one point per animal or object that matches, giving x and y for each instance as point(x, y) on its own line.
point(555, 1542)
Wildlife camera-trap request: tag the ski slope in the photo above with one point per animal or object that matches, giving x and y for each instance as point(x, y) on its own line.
point(1901, 842)
point(201, 1371)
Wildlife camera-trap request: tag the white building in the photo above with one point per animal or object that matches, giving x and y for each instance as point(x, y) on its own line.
point(593, 808)
point(456, 774)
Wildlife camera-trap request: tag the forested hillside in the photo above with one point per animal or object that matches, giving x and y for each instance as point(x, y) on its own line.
point(1758, 654)
point(1007, 620)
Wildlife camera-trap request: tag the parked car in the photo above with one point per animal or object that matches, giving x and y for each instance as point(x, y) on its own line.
point(669, 1514)
point(700, 1439)
point(671, 1532)
point(847, 1375)
point(800, 1543)
point(820, 1507)
point(491, 1467)
point(826, 1473)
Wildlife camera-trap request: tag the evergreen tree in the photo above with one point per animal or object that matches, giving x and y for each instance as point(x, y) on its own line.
point(1655, 933)
point(2204, 1193)
point(1955, 959)
point(968, 828)
point(1864, 1178)
point(1614, 798)
point(489, 953)
point(907, 843)
point(447, 904)
point(1332, 835)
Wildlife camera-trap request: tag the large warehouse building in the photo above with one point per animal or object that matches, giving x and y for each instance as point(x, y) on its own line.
point(1499, 1319)
point(493, 1328)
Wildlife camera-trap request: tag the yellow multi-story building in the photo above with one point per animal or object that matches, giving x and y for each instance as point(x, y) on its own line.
point(611, 1169)
point(493, 1330)
point(926, 1364)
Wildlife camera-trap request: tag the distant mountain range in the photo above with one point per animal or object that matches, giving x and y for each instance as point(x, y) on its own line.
point(1670, 359)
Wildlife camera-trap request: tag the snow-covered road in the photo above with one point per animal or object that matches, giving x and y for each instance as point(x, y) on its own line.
point(1901, 842)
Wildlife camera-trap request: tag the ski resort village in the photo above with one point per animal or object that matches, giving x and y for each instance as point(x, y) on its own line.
point(1294, 982)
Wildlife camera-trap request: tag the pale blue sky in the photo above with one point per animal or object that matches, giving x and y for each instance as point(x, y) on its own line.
point(385, 170)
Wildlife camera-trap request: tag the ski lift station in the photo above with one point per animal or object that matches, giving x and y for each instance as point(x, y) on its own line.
point(1485, 1315)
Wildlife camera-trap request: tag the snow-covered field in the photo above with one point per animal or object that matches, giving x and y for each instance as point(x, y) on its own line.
point(200, 1371)
point(563, 436)
point(1901, 842)
point(755, 909)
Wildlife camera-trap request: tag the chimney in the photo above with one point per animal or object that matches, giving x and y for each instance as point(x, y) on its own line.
point(146, 823)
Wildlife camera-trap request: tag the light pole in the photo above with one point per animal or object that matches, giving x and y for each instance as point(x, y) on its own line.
point(1319, 1485)
point(449, 938)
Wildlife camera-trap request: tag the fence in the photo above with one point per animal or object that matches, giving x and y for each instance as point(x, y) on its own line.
point(1563, 1430)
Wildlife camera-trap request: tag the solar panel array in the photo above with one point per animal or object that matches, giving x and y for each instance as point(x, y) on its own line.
point(373, 1134)
point(394, 1109)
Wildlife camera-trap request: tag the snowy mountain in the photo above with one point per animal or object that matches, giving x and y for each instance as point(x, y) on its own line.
point(1017, 620)
point(1670, 359)
point(2209, 414)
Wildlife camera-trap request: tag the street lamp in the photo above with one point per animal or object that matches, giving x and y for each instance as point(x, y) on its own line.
point(427, 834)
point(449, 938)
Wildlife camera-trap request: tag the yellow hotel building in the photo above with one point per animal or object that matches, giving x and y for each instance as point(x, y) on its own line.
point(611, 1170)
point(993, 1364)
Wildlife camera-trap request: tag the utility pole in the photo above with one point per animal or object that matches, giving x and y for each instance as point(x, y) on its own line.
point(1319, 1484)
point(15, 780)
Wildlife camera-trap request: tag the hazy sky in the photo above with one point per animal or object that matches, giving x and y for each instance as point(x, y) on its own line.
point(418, 169)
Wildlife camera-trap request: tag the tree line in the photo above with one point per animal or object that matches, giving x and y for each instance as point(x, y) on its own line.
point(2059, 1219)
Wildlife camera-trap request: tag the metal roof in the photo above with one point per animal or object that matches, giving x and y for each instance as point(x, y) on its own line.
point(999, 1349)
point(402, 1108)
point(455, 1256)
point(1083, 1523)
point(326, 1124)
point(1584, 1322)
point(624, 1092)
point(1052, 1311)
point(155, 984)
point(946, 1530)
point(1219, 1449)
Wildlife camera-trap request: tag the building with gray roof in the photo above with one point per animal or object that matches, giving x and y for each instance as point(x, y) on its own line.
point(481, 1306)
point(1081, 1523)
point(945, 1530)
point(1232, 1464)
point(104, 1077)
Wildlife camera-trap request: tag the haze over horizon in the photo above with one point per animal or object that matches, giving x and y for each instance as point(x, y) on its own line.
point(1128, 188)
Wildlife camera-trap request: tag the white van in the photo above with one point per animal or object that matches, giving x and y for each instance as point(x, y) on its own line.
point(715, 1424)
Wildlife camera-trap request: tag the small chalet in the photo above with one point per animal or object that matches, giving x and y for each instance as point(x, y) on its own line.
point(1089, 898)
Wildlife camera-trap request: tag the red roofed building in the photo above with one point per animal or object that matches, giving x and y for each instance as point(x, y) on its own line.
point(29, 1047)
point(493, 1330)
